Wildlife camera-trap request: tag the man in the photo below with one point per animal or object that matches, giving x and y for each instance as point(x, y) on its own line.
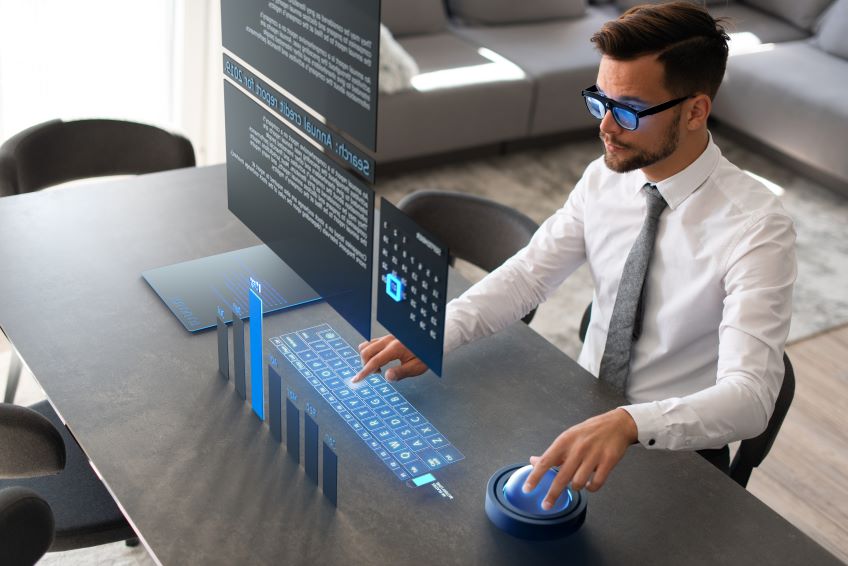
point(693, 261)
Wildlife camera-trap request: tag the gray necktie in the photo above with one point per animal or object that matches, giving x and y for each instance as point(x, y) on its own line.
point(626, 321)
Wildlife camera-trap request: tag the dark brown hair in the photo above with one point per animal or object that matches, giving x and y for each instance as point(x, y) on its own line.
point(690, 44)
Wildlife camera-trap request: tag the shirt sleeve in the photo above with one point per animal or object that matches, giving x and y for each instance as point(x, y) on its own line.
point(523, 281)
point(759, 277)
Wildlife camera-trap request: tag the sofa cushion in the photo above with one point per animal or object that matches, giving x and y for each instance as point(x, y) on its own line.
point(413, 123)
point(627, 4)
point(496, 12)
point(559, 57)
point(802, 13)
point(833, 34)
point(803, 113)
point(413, 17)
point(756, 25)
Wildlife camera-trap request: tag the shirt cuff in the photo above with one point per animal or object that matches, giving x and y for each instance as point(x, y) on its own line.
point(649, 424)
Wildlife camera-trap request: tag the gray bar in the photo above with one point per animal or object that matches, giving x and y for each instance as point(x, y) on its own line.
point(223, 347)
point(310, 447)
point(275, 404)
point(293, 431)
point(330, 473)
point(238, 355)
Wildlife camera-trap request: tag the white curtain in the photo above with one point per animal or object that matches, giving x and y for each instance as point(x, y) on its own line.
point(152, 61)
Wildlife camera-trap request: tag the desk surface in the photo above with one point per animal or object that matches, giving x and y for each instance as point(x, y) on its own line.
point(204, 482)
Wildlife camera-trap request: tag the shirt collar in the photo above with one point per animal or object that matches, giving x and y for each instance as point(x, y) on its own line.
point(679, 186)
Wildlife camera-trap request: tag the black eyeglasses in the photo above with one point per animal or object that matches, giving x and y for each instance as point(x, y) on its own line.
point(624, 115)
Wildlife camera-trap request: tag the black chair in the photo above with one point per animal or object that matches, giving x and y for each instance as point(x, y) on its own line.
point(49, 486)
point(55, 152)
point(752, 451)
point(475, 229)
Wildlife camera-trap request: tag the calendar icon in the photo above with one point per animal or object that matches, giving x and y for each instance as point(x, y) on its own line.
point(413, 268)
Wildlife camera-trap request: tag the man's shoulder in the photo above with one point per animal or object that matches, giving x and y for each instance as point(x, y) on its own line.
point(747, 193)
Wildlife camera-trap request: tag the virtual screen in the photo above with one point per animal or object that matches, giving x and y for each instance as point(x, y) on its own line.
point(413, 284)
point(311, 212)
point(324, 52)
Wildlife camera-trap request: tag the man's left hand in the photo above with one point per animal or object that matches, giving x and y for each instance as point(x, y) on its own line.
point(585, 453)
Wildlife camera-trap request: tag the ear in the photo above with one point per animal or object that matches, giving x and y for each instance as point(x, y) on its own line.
point(697, 111)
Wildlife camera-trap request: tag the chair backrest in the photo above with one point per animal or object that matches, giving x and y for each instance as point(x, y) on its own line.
point(753, 451)
point(55, 152)
point(475, 229)
point(26, 526)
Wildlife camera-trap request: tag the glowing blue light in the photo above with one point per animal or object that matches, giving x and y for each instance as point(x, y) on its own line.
point(394, 287)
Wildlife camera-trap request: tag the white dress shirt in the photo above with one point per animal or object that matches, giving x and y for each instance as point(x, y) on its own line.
point(709, 363)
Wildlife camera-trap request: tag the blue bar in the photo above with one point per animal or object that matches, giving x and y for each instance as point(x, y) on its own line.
point(424, 480)
point(293, 431)
point(310, 447)
point(223, 346)
point(238, 355)
point(275, 404)
point(330, 475)
point(257, 386)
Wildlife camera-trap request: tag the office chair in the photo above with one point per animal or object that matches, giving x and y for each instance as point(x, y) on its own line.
point(55, 152)
point(752, 451)
point(49, 486)
point(475, 229)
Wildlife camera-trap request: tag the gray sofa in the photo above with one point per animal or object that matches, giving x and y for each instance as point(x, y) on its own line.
point(786, 85)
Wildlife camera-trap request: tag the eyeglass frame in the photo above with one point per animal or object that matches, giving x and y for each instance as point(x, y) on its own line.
point(609, 104)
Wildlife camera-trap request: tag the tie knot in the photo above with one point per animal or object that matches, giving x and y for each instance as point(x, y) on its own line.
point(656, 202)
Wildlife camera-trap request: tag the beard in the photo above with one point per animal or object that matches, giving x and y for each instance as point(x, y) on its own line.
point(644, 158)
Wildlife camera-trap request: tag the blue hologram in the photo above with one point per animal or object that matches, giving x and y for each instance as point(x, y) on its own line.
point(238, 354)
point(257, 386)
point(275, 403)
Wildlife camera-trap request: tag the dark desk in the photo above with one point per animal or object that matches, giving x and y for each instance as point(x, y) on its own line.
point(203, 481)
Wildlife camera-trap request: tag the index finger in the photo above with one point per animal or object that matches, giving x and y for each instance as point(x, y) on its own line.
point(377, 360)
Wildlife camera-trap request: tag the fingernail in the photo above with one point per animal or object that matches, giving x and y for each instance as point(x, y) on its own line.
point(390, 375)
point(527, 488)
point(546, 505)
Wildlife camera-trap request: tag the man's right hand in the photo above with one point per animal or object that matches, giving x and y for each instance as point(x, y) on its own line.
point(380, 351)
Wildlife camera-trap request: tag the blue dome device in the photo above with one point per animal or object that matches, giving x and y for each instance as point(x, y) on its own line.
point(521, 515)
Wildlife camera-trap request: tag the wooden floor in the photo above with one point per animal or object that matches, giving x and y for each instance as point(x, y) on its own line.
point(805, 476)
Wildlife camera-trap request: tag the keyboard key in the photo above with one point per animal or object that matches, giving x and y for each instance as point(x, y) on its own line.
point(385, 389)
point(353, 403)
point(320, 347)
point(326, 374)
point(405, 456)
point(348, 352)
point(395, 445)
point(376, 379)
point(344, 393)
point(337, 364)
point(383, 454)
point(417, 443)
point(396, 422)
point(334, 383)
point(365, 393)
point(327, 355)
point(392, 464)
point(364, 413)
point(315, 365)
point(294, 342)
point(376, 402)
point(383, 433)
point(308, 355)
point(329, 335)
point(385, 412)
point(402, 474)
point(437, 440)
point(404, 409)
point(426, 429)
point(336, 344)
point(346, 373)
point(364, 434)
point(450, 454)
point(375, 444)
point(395, 399)
point(432, 458)
point(406, 432)
point(372, 424)
point(415, 467)
point(415, 419)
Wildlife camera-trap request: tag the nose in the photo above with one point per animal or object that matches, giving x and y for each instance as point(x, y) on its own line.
point(609, 125)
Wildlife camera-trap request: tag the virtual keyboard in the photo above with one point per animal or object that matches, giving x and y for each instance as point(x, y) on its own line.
point(406, 442)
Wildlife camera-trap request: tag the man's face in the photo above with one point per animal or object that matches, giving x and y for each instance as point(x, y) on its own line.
point(637, 83)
